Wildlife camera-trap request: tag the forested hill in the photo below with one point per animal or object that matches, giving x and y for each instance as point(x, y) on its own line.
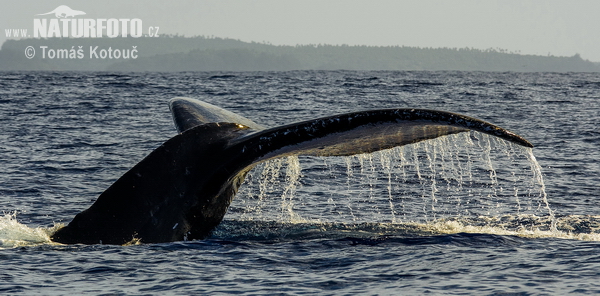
point(176, 53)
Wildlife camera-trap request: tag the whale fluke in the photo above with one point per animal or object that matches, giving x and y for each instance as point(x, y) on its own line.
point(64, 11)
point(183, 188)
point(188, 113)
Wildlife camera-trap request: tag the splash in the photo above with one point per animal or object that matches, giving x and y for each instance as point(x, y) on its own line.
point(570, 227)
point(526, 226)
point(14, 234)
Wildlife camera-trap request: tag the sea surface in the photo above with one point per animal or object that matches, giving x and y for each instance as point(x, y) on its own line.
point(462, 214)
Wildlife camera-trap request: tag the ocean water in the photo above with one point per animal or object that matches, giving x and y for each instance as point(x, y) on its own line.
point(463, 214)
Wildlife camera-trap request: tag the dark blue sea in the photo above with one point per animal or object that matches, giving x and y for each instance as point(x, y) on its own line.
point(462, 214)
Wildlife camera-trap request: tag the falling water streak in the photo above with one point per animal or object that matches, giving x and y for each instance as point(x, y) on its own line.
point(415, 160)
point(469, 167)
point(385, 159)
point(486, 153)
point(402, 163)
point(270, 176)
point(368, 174)
point(458, 170)
point(485, 146)
point(436, 170)
point(488, 159)
point(448, 164)
point(350, 174)
point(511, 155)
point(362, 164)
point(269, 179)
point(537, 175)
point(449, 171)
point(292, 175)
point(401, 152)
point(245, 190)
point(330, 200)
point(431, 159)
point(372, 175)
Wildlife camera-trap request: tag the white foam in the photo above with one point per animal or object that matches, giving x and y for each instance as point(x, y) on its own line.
point(451, 227)
point(14, 234)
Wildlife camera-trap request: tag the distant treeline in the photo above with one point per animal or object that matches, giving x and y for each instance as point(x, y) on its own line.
point(177, 53)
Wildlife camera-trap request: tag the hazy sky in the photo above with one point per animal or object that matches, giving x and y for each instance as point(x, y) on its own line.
point(557, 27)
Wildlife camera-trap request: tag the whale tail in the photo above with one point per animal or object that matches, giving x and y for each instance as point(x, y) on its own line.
point(182, 189)
point(64, 11)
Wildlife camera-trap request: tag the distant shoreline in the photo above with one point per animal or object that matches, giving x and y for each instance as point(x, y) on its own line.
point(177, 53)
